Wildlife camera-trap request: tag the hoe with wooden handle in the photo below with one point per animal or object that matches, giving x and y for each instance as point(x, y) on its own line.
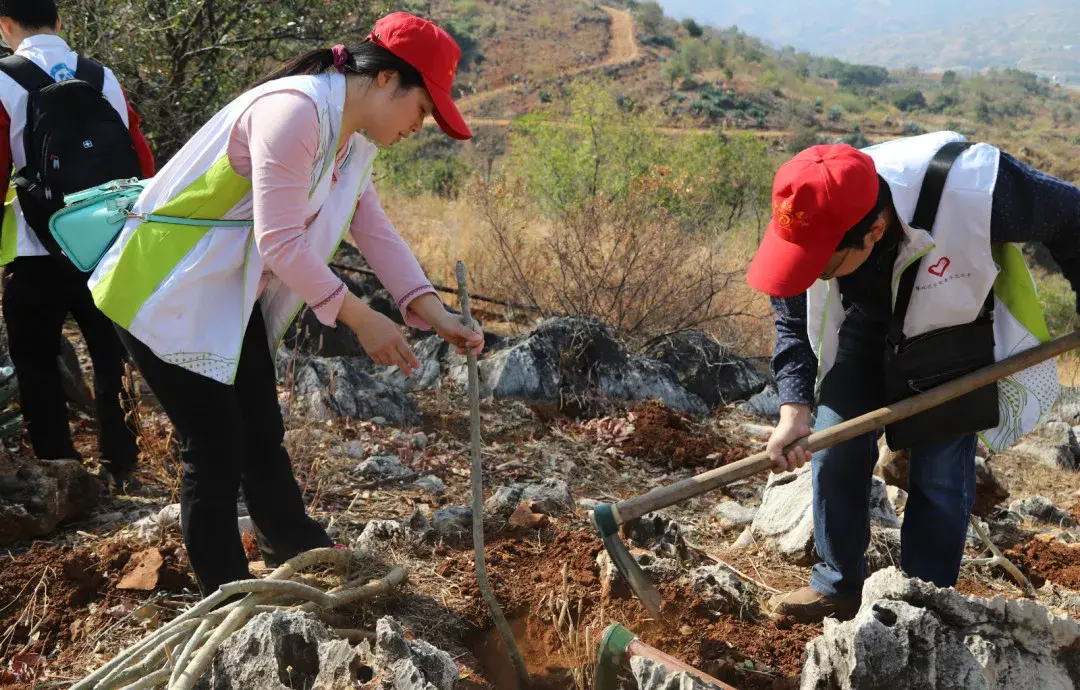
point(608, 517)
point(619, 645)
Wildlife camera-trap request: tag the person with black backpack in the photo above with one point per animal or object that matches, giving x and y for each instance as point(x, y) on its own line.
point(893, 270)
point(65, 126)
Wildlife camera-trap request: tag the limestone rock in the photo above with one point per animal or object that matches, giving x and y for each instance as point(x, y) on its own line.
point(909, 634)
point(785, 519)
point(1042, 509)
point(652, 675)
point(455, 521)
point(734, 514)
point(326, 388)
point(37, 495)
point(1054, 444)
point(404, 664)
point(574, 359)
point(707, 369)
point(722, 591)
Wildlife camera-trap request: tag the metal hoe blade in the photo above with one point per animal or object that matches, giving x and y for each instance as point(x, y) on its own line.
point(606, 519)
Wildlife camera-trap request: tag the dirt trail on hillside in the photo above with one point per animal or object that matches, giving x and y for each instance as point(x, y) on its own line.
point(622, 49)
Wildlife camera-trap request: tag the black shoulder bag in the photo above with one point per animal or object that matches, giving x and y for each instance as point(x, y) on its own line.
point(915, 365)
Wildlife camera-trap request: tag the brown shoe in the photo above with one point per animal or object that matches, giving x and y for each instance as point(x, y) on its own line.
point(807, 605)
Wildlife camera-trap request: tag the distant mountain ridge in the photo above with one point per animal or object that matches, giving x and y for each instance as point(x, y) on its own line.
point(1042, 36)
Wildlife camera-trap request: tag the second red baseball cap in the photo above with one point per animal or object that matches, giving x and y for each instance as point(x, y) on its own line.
point(435, 56)
point(817, 197)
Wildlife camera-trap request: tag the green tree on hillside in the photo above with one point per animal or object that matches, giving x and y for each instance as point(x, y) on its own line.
point(909, 99)
point(694, 56)
point(718, 52)
point(692, 28)
point(182, 60)
point(674, 69)
point(871, 76)
point(651, 16)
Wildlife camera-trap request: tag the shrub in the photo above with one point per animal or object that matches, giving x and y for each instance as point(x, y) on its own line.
point(426, 163)
point(692, 28)
point(651, 16)
point(911, 129)
point(909, 99)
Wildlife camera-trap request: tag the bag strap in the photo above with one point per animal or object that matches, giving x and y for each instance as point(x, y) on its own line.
point(26, 73)
point(200, 222)
point(91, 72)
point(933, 185)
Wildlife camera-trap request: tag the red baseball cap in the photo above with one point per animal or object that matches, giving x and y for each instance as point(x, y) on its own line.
point(817, 197)
point(435, 56)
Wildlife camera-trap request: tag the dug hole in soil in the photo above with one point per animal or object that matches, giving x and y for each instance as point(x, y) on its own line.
point(549, 587)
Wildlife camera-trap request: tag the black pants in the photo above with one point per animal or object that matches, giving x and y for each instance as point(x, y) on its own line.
point(231, 438)
point(39, 293)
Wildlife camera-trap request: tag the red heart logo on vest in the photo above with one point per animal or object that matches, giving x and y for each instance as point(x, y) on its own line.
point(940, 267)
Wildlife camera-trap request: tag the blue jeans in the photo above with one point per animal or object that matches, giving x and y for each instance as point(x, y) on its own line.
point(941, 482)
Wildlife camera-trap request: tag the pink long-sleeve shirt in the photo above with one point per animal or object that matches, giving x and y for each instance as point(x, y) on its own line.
point(274, 144)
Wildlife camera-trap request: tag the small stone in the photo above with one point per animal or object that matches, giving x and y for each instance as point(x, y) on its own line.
point(157, 525)
point(523, 517)
point(420, 440)
point(1042, 509)
point(733, 514)
point(430, 484)
point(382, 466)
point(721, 590)
point(378, 421)
point(504, 501)
point(745, 539)
point(551, 497)
point(378, 534)
point(588, 503)
point(973, 538)
point(353, 449)
point(454, 521)
point(143, 571)
point(898, 497)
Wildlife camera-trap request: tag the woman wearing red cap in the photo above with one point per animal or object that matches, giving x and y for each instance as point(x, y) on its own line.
point(202, 309)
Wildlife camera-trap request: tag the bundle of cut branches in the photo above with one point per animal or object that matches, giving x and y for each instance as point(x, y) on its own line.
point(179, 653)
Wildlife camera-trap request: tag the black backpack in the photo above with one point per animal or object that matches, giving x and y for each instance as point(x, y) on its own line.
point(74, 140)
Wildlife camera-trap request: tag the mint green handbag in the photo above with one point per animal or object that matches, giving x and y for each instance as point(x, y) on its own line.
point(91, 220)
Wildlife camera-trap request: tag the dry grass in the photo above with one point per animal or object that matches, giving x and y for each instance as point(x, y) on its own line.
point(159, 450)
point(622, 264)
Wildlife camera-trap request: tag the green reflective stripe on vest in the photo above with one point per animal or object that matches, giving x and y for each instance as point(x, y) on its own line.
point(1015, 289)
point(9, 235)
point(154, 249)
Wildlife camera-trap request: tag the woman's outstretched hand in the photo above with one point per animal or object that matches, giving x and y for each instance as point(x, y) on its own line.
point(380, 337)
point(464, 339)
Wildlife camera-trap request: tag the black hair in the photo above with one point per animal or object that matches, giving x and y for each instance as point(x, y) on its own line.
point(856, 236)
point(367, 59)
point(31, 14)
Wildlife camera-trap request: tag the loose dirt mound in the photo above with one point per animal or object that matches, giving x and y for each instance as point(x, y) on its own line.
point(1043, 560)
point(550, 589)
point(44, 594)
point(667, 437)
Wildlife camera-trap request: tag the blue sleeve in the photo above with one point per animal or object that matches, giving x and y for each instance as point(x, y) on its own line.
point(793, 363)
point(1031, 206)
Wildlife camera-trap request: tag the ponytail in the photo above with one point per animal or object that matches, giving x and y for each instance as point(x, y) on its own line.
point(366, 59)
